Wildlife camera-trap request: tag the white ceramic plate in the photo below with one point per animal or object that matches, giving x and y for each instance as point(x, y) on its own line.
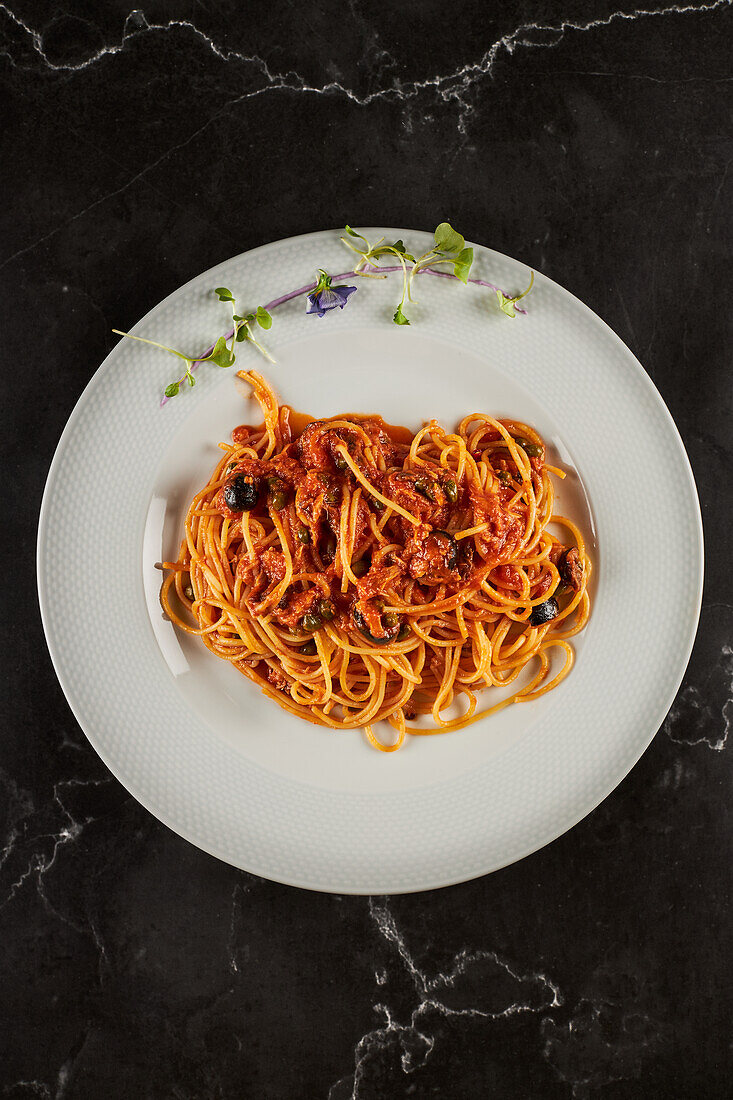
point(198, 744)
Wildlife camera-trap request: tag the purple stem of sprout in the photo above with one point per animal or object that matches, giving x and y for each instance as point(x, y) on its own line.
point(269, 306)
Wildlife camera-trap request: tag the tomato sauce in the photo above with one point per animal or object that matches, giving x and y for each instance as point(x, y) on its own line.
point(306, 482)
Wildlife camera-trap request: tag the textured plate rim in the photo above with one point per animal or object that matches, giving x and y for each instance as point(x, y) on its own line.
point(430, 883)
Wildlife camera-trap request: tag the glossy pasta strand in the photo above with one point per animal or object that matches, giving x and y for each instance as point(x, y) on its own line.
point(290, 594)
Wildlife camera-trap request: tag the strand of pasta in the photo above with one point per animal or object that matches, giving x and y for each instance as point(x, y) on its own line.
point(455, 642)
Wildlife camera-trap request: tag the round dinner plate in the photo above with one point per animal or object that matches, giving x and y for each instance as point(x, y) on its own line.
point(197, 743)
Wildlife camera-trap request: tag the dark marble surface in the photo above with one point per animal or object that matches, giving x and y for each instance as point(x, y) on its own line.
point(139, 149)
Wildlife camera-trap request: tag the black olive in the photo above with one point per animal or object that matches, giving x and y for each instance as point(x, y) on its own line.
point(361, 621)
point(451, 548)
point(241, 493)
point(544, 612)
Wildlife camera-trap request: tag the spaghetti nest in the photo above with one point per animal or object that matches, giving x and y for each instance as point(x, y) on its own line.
point(358, 572)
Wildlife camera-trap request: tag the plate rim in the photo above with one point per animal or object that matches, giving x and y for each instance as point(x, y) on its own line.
point(442, 881)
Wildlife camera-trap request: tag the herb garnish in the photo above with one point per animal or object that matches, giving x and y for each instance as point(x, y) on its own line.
point(448, 250)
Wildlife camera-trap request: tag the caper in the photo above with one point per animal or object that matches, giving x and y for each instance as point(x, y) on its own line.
point(231, 466)
point(311, 621)
point(451, 490)
point(340, 462)
point(503, 476)
point(326, 610)
point(360, 567)
point(425, 486)
point(403, 634)
point(331, 492)
point(377, 505)
point(304, 535)
point(278, 496)
point(309, 649)
point(391, 623)
point(534, 450)
point(188, 592)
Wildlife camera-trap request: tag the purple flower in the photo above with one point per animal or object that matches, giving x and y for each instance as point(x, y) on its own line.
point(326, 297)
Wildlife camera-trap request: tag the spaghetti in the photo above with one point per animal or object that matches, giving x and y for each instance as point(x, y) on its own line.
point(358, 572)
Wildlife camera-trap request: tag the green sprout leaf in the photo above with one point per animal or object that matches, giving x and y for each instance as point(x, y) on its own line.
point(400, 249)
point(242, 331)
point(264, 320)
point(223, 294)
point(222, 354)
point(353, 233)
point(447, 240)
point(324, 281)
point(399, 317)
point(462, 266)
point(506, 305)
point(155, 344)
point(191, 379)
point(172, 390)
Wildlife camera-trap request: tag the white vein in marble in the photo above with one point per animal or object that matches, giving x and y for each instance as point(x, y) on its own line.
point(39, 851)
point(448, 86)
point(452, 87)
point(693, 715)
point(479, 985)
point(598, 1045)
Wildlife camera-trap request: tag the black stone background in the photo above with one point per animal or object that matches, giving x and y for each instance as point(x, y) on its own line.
point(140, 149)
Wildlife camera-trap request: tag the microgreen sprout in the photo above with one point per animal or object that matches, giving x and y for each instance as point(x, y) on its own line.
point(174, 387)
point(448, 250)
point(243, 323)
point(506, 305)
point(220, 353)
